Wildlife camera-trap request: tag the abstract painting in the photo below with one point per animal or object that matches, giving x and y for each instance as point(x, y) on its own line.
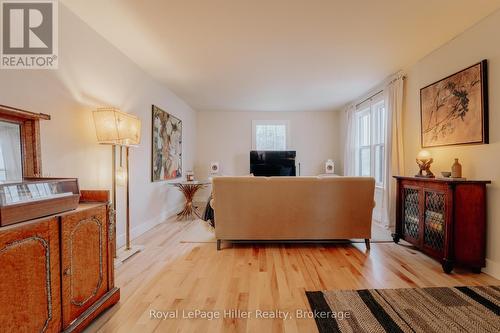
point(454, 110)
point(167, 146)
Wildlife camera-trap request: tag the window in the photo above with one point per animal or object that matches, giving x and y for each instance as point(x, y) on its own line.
point(270, 135)
point(3, 172)
point(10, 151)
point(370, 141)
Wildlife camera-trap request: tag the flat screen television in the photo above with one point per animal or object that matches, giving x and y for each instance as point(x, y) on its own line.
point(272, 163)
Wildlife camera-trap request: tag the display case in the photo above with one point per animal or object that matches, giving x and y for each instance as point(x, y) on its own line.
point(33, 198)
point(57, 272)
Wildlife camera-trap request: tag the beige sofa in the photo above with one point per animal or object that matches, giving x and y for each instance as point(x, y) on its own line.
point(293, 208)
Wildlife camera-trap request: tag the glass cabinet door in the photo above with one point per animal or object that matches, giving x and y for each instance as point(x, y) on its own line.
point(434, 222)
point(411, 213)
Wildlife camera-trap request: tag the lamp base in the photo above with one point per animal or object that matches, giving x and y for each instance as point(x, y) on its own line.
point(425, 176)
point(123, 254)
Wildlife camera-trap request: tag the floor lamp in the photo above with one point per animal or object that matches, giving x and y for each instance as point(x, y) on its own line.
point(117, 128)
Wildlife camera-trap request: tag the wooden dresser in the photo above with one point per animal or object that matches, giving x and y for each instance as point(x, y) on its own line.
point(444, 218)
point(57, 272)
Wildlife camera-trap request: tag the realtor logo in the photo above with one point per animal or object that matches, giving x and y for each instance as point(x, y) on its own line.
point(29, 34)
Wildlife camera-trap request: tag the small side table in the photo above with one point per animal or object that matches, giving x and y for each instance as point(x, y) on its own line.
point(189, 189)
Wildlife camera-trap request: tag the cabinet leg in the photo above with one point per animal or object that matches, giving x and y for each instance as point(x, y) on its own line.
point(395, 237)
point(367, 243)
point(219, 244)
point(476, 270)
point(447, 266)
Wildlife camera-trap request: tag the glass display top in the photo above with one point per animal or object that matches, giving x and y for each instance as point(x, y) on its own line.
point(17, 192)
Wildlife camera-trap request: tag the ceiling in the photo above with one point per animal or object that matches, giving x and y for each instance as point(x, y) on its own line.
point(277, 55)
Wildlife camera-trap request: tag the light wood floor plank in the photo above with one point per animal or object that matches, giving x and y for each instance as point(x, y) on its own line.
point(174, 274)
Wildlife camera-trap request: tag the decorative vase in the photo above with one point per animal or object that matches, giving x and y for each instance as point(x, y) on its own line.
point(456, 169)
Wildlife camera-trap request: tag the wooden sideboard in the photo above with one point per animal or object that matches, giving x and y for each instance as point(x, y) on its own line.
point(57, 272)
point(444, 218)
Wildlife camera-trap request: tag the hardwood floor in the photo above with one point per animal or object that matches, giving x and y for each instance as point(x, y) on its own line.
point(172, 274)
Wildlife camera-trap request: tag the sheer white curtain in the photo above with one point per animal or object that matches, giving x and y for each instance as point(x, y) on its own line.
point(394, 155)
point(350, 142)
point(10, 145)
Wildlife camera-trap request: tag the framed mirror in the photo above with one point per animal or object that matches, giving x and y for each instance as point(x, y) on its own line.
point(20, 154)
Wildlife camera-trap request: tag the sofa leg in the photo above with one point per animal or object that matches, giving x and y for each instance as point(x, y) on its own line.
point(367, 243)
point(219, 244)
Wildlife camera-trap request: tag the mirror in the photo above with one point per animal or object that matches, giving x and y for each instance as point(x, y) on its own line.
point(11, 165)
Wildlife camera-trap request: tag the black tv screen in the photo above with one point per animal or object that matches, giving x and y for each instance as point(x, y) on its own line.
point(272, 163)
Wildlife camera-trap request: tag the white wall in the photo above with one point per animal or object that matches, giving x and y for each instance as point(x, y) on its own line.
point(478, 161)
point(227, 137)
point(93, 73)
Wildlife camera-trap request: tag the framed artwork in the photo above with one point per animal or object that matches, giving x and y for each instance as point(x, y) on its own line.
point(167, 146)
point(454, 110)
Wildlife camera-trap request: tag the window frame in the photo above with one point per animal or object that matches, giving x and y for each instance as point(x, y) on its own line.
point(256, 123)
point(371, 107)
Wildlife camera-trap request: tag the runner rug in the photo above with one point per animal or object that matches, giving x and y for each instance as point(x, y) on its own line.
point(459, 309)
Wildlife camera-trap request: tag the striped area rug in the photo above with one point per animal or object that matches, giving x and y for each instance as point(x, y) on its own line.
point(441, 309)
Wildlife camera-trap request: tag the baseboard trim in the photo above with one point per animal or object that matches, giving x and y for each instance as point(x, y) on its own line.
point(144, 227)
point(492, 268)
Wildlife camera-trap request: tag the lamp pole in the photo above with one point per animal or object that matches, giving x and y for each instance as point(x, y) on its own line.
point(128, 247)
point(113, 191)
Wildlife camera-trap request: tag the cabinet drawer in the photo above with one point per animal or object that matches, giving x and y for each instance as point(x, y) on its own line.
point(84, 258)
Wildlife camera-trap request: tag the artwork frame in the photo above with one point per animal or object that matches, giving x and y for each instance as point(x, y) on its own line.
point(462, 99)
point(166, 145)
